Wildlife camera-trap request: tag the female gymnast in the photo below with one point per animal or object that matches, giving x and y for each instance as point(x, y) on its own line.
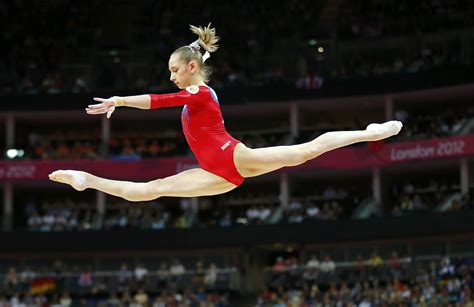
point(224, 161)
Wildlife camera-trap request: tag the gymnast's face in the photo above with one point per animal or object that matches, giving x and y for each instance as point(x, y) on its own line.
point(182, 74)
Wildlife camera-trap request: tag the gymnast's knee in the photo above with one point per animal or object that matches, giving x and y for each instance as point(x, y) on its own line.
point(312, 151)
point(145, 191)
point(304, 154)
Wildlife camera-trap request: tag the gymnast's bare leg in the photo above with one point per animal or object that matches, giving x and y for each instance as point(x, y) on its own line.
point(189, 183)
point(258, 161)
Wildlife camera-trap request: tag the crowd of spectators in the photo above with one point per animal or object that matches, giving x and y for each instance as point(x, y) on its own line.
point(133, 299)
point(374, 19)
point(71, 58)
point(139, 147)
point(86, 144)
point(418, 124)
point(429, 196)
point(370, 282)
point(358, 64)
point(420, 196)
point(64, 215)
point(310, 211)
point(67, 215)
point(264, 208)
point(36, 49)
point(61, 144)
point(70, 284)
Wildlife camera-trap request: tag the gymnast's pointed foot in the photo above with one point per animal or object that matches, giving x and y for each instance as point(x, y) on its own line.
point(75, 179)
point(385, 130)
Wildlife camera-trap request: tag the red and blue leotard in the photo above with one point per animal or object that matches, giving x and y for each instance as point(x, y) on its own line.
point(204, 129)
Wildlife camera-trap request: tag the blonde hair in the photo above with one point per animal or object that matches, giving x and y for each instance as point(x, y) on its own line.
point(207, 39)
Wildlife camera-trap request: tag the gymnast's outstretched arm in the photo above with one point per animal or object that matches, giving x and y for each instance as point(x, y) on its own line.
point(147, 101)
point(108, 105)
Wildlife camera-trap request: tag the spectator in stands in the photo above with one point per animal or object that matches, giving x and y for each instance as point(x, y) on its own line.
point(25, 276)
point(375, 263)
point(467, 200)
point(86, 278)
point(113, 300)
point(313, 262)
point(279, 269)
point(65, 300)
point(177, 270)
point(126, 298)
point(312, 211)
point(141, 298)
point(11, 279)
point(163, 275)
point(312, 268)
point(124, 276)
point(226, 219)
point(394, 264)
point(159, 222)
point(279, 265)
point(140, 274)
point(253, 214)
point(211, 276)
point(327, 267)
point(34, 222)
point(199, 272)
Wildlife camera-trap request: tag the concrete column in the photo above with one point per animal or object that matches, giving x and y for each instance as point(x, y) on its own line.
point(284, 190)
point(100, 198)
point(294, 119)
point(388, 105)
point(9, 131)
point(7, 206)
point(105, 125)
point(464, 172)
point(195, 204)
point(377, 186)
point(248, 283)
point(100, 202)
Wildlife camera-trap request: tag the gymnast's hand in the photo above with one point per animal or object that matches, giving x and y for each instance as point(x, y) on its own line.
point(105, 106)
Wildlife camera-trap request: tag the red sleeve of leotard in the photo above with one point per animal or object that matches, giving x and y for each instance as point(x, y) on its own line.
point(171, 100)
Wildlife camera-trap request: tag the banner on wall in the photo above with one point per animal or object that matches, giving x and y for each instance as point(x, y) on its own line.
point(377, 154)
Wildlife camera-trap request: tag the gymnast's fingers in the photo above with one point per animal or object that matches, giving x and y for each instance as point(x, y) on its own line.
point(96, 106)
point(95, 111)
point(101, 99)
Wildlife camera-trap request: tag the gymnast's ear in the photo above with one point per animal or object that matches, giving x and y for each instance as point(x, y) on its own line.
point(192, 66)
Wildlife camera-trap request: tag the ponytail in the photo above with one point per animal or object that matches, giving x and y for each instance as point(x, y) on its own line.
point(207, 40)
point(207, 37)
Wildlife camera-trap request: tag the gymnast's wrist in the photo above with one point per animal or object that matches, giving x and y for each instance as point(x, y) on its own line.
point(118, 101)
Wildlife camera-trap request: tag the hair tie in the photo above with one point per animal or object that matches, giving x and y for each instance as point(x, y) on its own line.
point(197, 46)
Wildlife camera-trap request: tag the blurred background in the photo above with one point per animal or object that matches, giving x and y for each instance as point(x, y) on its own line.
point(380, 224)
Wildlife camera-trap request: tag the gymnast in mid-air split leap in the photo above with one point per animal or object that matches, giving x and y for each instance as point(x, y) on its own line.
point(224, 161)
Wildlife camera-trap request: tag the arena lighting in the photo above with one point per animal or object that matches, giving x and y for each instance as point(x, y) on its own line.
point(15, 153)
point(320, 49)
point(312, 42)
